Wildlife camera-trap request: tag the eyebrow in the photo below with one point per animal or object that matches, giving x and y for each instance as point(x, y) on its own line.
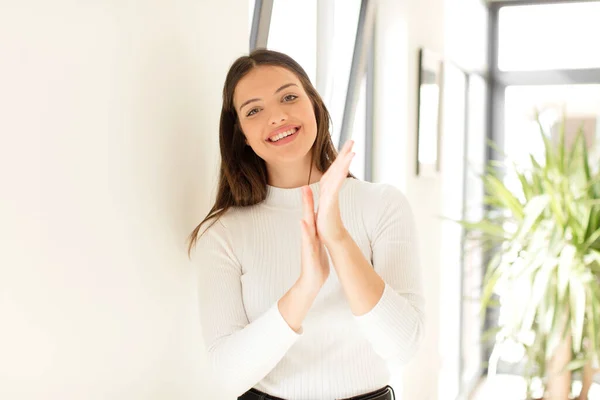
point(287, 85)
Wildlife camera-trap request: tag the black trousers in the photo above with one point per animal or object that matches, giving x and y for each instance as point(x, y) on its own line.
point(385, 393)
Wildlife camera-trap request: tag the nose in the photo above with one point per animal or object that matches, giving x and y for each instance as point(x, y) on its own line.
point(277, 116)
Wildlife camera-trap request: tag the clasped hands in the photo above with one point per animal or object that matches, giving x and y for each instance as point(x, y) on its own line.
point(324, 226)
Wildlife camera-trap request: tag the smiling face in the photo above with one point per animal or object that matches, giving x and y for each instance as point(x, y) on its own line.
point(276, 115)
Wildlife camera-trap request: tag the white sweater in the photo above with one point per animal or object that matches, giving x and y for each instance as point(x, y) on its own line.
point(251, 257)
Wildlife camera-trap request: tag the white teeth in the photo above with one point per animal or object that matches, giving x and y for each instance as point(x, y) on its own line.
point(283, 134)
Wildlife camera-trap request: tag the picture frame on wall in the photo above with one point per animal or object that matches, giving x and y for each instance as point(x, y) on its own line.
point(429, 102)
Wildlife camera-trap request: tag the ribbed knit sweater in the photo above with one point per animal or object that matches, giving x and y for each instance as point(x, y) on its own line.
point(250, 258)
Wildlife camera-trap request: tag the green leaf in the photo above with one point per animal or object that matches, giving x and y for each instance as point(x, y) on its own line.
point(540, 285)
point(550, 157)
point(592, 325)
point(551, 302)
point(565, 263)
point(536, 167)
point(575, 154)
point(496, 188)
point(486, 227)
point(594, 180)
point(586, 165)
point(577, 293)
point(576, 364)
point(490, 334)
point(526, 186)
point(532, 212)
point(555, 203)
point(593, 224)
point(497, 148)
point(590, 241)
point(561, 146)
point(488, 289)
point(576, 228)
point(592, 260)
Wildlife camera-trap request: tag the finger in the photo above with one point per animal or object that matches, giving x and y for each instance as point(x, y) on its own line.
point(338, 175)
point(347, 146)
point(335, 166)
point(309, 208)
point(305, 233)
point(347, 162)
point(341, 169)
point(337, 181)
point(308, 239)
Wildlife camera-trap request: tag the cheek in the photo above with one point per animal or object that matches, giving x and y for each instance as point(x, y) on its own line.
point(309, 116)
point(251, 131)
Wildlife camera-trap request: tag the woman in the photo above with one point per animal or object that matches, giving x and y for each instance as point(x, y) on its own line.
point(317, 311)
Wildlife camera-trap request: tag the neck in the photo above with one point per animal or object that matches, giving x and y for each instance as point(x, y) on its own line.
point(292, 176)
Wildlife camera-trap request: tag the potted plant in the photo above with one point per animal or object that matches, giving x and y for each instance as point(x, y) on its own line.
point(546, 263)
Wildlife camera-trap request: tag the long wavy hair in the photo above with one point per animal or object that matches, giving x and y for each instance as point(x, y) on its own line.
point(243, 174)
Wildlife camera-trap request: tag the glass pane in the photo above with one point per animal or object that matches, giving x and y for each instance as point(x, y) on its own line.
point(359, 133)
point(345, 22)
point(251, 5)
point(551, 36)
point(581, 105)
point(298, 40)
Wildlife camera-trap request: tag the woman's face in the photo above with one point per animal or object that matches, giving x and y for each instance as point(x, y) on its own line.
point(276, 115)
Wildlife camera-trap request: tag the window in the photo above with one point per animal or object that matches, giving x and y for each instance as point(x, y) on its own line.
point(335, 26)
point(299, 41)
point(549, 36)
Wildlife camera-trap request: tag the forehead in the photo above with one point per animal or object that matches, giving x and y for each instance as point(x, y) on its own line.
point(262, 82)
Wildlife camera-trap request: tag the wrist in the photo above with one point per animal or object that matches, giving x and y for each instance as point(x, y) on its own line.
point(310, 287)
point(338, 238)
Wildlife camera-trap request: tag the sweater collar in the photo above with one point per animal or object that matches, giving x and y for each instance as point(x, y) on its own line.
point(292, 197)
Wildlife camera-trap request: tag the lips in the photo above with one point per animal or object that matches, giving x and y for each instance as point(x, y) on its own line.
point(281, 130)
point(285, 140)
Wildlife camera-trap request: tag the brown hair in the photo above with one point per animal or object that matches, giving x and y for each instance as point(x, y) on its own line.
point(243, 174)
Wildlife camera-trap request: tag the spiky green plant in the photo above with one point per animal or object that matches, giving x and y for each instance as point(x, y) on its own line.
point(546, 267)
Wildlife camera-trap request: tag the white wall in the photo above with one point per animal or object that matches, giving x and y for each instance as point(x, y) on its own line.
point(108, 129)
point(401, 28)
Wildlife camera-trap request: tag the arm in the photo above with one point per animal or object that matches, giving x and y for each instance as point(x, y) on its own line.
point(240, 353)
point(386, 298)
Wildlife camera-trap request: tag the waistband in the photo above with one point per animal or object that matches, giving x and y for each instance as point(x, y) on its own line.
point(385, 393)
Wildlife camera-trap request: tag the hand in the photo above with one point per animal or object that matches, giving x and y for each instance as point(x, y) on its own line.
point(314, 260)
point(329, 221)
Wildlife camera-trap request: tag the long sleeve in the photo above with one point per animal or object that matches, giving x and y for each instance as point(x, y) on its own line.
point(395, 326)
point(240, 353)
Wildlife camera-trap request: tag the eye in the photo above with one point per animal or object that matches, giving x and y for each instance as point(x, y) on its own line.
point(252, 112)
point(290, 97)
